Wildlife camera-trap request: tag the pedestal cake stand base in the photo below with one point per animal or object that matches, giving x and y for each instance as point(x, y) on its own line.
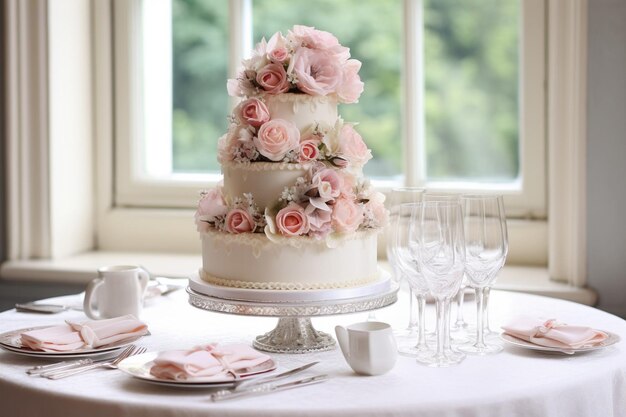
point(294, 335)
point(294, 332)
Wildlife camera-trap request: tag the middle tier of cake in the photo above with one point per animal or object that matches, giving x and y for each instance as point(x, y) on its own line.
point(264, 180)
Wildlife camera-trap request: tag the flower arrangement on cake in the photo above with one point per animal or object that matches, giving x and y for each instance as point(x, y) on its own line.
point(306, 61)
point(290, 88)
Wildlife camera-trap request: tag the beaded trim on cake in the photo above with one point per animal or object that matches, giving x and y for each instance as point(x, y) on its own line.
point(285, 286)
point(300, 98)
point(266, 166)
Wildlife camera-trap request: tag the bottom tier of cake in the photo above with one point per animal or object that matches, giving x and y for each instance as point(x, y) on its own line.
point(252, 261)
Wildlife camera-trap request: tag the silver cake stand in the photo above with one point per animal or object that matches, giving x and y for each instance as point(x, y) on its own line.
point(294, 332)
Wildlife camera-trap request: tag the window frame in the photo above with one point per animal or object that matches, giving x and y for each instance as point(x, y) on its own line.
point(525, 199)
point(40, 205)
point(138, 202)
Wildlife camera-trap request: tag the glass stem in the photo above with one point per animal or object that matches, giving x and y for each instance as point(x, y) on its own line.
point(460, 298)
point(421, 312)
point(486, 292)
point(412, 312)
point(480, 335)
point(440, 307)
point(446, 324)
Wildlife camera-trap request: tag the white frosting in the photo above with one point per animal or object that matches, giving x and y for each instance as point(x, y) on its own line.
point(230, 260)
point(302, 109)
point(265, 180)
point(252, 260)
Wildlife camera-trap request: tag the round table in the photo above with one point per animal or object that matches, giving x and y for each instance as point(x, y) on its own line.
point(513, 383)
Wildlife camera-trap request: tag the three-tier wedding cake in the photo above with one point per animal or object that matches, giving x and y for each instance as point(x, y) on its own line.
point(294, 211)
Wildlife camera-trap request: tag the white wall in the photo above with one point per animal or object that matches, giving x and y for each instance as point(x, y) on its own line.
point(606, 152)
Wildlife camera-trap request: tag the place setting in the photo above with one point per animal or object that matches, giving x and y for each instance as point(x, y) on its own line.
point(73, 339)
point(112, 303)
point(552, 336)
point(207, 366)
point(228, 371)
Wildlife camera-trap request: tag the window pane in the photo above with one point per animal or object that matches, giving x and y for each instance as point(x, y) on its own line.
point(200, 101)
point(372, 31)
point(471, 89)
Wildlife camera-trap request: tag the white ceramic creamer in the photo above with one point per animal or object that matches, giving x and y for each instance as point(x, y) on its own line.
point(369, 347)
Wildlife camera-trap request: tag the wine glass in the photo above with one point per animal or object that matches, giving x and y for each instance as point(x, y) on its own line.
point(437, 242)
point(397, 197)
point(459, 326)
point(487, 291)
point(485, 253)
point(409, 267)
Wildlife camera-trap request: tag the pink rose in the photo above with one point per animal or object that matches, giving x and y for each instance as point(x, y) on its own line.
point(351, 146)
point(239, 221)
point(277, 137)
point(273, 79)
point(277, 48)
point(212, 204)
point(347, 215)
point(279, 54)
point(350, 88)
point(292, 221)
point(317, 71)
point(253, 111)
point(308, 151)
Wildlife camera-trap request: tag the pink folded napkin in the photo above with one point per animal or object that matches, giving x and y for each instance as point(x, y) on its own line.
point(212, 360)
point(98, 333)
point(551, 333)
point(60, 338)
point(93, 333)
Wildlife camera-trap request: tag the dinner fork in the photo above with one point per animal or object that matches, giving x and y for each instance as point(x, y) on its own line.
point(110, 364)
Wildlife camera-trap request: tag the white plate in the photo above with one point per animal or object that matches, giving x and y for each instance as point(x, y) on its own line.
point(10, 341)
point(379, 286)
point(138, 366)
point(514, 341)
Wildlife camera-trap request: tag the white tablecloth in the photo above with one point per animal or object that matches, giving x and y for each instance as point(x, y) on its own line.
point(512, 383)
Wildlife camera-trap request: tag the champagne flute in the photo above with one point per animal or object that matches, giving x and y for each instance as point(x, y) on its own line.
point(459, 324)
point(407, 263)
point(485, 252)
point(487, 290)
point(397, 197)
point(436, 234)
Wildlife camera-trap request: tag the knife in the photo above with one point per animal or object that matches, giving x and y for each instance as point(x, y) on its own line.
point(267, 388)
point(33, 307)
point(272, 378)
point(41, 369)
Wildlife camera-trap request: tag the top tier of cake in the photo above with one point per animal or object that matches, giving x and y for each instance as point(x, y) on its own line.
point(303, 110)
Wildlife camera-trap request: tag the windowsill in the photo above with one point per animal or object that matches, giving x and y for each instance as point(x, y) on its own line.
point(80, 269)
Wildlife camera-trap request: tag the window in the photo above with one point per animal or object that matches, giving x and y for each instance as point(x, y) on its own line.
point(138, 212)
point(470, 137)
